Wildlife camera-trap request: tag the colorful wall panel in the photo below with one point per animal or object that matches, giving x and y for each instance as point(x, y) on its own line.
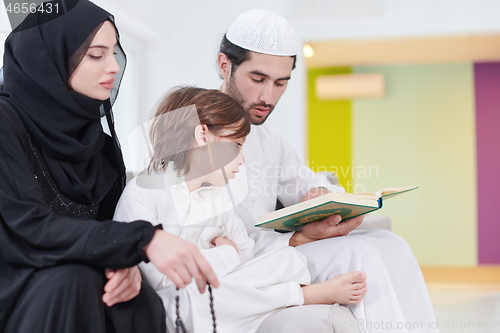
point(421, 133)
point(487, 83)
point(329, 128)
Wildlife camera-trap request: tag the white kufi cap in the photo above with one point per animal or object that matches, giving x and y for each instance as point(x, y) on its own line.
point(263, 31)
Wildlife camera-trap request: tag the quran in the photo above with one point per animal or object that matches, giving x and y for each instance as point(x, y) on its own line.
point(347, 205)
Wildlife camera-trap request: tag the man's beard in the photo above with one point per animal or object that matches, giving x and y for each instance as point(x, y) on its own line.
point(233, 91)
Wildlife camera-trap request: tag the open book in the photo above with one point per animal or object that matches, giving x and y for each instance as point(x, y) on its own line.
point(347, 205)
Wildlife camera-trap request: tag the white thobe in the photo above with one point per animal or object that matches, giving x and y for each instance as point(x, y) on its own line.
point(251, 288)
point(397, 293)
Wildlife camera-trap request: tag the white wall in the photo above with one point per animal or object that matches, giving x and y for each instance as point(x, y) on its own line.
point(175, 42)
point(4, 29)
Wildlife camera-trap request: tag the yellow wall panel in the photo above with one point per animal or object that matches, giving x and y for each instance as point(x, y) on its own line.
point(329, 130)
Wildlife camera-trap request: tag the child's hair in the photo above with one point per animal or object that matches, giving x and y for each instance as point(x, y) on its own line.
point(172, 133)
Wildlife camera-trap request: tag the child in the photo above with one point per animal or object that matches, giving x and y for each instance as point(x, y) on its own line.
point(197, 135)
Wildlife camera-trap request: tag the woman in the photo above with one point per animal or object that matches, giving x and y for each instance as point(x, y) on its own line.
point(60, 179)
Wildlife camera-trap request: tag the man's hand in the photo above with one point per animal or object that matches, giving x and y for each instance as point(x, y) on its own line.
point(123, 285)
point(180, 260)
point(218, 241)
point(314, 193)
point(327, 228)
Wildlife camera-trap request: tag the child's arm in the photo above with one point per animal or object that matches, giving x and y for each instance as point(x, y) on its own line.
point(223, 258)
point(236, 231)
point(144, 204)
point(218, 241)
point(233, 246)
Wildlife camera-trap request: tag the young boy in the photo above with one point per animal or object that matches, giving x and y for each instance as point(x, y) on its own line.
point(197, 136)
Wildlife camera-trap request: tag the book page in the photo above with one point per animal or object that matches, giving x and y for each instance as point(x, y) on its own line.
point(394, 191)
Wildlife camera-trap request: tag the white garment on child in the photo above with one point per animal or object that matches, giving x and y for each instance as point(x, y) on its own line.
point(250, 287)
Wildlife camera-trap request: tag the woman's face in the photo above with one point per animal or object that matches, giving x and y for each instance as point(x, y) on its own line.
point(94, 76)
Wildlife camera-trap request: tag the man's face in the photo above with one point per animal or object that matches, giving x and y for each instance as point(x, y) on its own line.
point(258, 83)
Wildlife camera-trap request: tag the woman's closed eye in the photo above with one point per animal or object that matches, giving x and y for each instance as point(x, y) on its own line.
point(95, 56)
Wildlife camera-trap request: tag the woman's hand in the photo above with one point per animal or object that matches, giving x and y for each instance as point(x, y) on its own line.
point(218, 241)
point(123, 285)
point(180, 261)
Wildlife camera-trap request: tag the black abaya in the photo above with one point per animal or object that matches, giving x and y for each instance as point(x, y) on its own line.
point(36, 244)
point(60, 178)
point(51, 302)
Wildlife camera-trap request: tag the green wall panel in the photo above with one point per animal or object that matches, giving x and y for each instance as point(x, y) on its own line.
point(422, 133)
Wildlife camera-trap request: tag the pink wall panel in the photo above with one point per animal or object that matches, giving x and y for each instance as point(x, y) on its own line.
point(487, 84)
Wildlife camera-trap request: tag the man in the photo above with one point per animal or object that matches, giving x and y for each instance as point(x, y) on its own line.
point(256, 59)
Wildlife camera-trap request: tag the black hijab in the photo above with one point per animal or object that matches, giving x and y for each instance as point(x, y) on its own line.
point(40, 56)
